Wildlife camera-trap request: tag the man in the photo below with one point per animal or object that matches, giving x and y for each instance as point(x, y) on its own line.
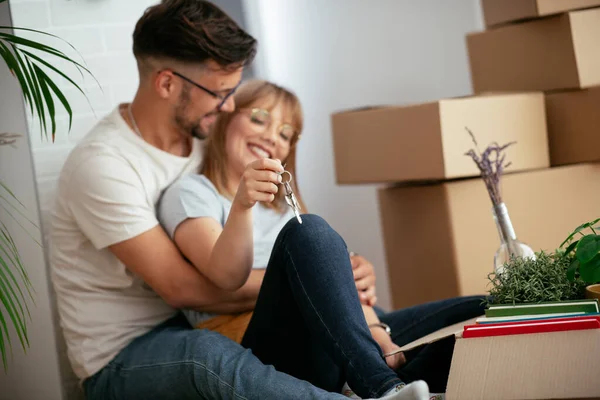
point(118, 277)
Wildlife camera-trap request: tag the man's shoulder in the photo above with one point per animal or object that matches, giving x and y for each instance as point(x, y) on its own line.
point(106, 140)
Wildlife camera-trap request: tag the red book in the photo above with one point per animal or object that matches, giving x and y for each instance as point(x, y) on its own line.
point(535, 326)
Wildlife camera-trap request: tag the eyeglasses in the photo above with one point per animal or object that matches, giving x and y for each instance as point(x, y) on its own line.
point(261, 121)
point(212, 93)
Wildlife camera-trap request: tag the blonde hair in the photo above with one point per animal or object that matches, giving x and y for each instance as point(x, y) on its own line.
point(215, 156)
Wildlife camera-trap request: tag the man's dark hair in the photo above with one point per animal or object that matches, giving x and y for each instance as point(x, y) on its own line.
point(192, 31)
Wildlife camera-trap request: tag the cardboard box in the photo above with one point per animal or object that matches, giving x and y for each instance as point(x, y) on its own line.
point(440, 239)
point(496, 12)
point(559, 52)
point(573, 126)
point(557, 365)
point(429, 141)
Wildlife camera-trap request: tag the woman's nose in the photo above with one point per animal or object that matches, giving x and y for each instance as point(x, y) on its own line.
point(270, 134)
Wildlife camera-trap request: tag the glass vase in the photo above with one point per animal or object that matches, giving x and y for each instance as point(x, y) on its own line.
point(510, 246)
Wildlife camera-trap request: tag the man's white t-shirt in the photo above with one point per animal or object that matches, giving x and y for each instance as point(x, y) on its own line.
point(107, 193)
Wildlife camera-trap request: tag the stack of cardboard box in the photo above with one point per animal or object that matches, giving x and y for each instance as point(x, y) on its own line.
point(536, 77)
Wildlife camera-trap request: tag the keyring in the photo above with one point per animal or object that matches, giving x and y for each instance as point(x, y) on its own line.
point(286, 181)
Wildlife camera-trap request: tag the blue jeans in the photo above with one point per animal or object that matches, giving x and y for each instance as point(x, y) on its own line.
point(308, 327)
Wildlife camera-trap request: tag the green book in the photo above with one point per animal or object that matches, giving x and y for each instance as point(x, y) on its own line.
point(554, 307)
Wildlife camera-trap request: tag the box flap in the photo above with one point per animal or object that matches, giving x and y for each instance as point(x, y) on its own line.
point(452, 330)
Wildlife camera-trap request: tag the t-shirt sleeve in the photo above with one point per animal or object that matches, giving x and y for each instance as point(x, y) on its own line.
point(108, 202)
point(189, 197)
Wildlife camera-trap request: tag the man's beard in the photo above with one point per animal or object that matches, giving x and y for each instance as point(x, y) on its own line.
point(192, 128)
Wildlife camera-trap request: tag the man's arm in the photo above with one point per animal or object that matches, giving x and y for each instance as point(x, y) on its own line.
point(155, 258)
point(107, 200)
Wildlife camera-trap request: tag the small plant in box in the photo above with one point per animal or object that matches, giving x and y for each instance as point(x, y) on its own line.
point(583, 254)
point(528, 280)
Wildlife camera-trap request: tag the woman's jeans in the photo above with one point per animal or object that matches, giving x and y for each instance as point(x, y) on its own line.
point(308, 327)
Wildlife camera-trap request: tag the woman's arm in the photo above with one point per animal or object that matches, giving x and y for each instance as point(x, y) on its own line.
point(224, 254)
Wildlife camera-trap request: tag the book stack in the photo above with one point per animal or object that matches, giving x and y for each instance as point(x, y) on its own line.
point(517, 319)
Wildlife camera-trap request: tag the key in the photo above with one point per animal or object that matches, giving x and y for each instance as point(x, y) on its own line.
point(290, 197)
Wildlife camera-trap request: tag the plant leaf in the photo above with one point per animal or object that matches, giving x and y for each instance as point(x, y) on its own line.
point(572, 269)
point(39, 105)
point(11, 289)
point(5, 265)
point(42, 47)
point(579, 229)
point(16, 320)
point(590, 271)
point(571, 247)
point(28, 81)
point(15, 68)
point(4, 328)
point(587, 248)
point(8, 239)
point(41, 78)
point(62, 99)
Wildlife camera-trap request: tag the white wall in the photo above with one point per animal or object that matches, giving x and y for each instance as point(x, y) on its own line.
point(338, 54)
point(34, 375)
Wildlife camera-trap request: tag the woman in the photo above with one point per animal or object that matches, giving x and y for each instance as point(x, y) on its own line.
point(307, 319)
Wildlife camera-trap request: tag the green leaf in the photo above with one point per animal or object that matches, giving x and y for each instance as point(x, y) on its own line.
point(571, 247)
point(41, 78)
point(8, 270)
point(6, 238)
point(42, 47)
point(3, 186)
point(28, 81)
point(16, 320)
point(55, 88)
point(579, 229)
point(3, 331)
point(587, 248)
point(62, 99)
point(590, 271)
point(10, 288)
point(14, 66)
point(47, 64)
point(572, 269)
point(38, 103)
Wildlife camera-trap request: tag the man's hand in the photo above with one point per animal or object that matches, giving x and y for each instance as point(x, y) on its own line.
point(364, 278)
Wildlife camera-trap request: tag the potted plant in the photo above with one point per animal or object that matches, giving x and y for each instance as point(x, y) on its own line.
point(23, 58)
point(583, 255)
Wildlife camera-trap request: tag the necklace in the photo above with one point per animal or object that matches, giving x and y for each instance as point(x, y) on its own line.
point(184, 149)
point(135, 127)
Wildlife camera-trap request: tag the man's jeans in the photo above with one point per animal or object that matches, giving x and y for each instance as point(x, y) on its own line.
point(307, 323)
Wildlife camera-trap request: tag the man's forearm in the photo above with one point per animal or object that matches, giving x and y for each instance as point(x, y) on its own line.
point(214, 300)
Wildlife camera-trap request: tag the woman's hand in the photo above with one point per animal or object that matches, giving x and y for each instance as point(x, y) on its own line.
point(259, 182)
point(364, 278)
point(387, 346)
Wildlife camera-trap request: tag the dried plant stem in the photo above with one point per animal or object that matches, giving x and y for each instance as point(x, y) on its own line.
point(491, 164)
